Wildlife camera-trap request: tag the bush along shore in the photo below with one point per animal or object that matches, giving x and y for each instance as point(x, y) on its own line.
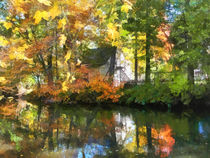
point(146, 96)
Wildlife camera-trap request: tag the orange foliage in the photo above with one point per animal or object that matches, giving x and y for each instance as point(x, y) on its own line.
point(8, 110)
point(165, 141)
point(39, 47)
point(109, 122)
point(163, 36)
point(82, 77)
point(86, 81)
point(107, 90)
point(92, 80)
point(162, 140)
point(51, 92)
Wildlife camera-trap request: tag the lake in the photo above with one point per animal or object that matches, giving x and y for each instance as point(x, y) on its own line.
point(35, 130)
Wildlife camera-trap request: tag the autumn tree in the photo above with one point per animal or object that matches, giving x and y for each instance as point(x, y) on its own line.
point(45, 37)
point(146, 17)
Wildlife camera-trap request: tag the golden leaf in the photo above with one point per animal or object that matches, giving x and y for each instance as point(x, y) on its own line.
point(54, 11)
point(7, 25)
point(62, 39)
point(18, 53)
point(15, 30)
point(65, 83)
point(64, 86)
point(45, 2)
point(3, 64)
point(61, 23)
point(78, 62)
point(39, 15)
point(68, 56)
point(3, 41)
point(1, 97)
point(78, 25)
point(2, 80)
point(72, 79)
point(112, 31)
point(125, 8)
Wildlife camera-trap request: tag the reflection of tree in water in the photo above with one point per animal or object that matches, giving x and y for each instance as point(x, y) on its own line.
point(50, 128)
point(165, 141)
point(150, 141)
point(52, 131)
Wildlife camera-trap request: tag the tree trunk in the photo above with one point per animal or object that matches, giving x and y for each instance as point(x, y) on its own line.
point(149, 140)
point(38, 82)
point(147, 73)
point(190, 73)
point(113, 144)
point(137, 134)
point(190, 68)
point(50, 71)
point(112, 64)
point(50, 130)
point(56, 55)
point(113, 141)
point(136, 59)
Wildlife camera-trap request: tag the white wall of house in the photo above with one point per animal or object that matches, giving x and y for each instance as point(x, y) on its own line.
point(123, 69)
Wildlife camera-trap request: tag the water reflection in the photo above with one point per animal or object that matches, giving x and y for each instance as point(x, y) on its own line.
point(28, 130)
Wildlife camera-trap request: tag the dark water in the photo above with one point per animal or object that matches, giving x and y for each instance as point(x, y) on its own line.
point(40, 131)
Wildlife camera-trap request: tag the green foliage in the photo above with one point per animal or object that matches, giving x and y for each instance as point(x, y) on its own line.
point(199, 91)
point(148, 93)
point(179, 84)
point(190, 34)
point(5, 129)
point(16, 139)
point(175, 89)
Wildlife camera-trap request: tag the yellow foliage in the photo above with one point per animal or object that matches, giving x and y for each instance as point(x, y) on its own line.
point(3, 41)
point(176, 67)
point(1, 97)
point(23, 48)
point(62, 23)
point(112, 31)
point(18, 53)
point(99, 13)
point(142, 37)
point(10, 99)
point(128, 52)
point(69, 79)
point(62, 39)
point(131, 146)
point(78, 25)
point(64, 86)
point(15, 30)
point(161, 52)
point(19, 5)
point(46, 2)
point(125, 8)
point(3, 64)
point(39, 15)
point(7, 25)
point(2, 80)
point(115, 43)
point(54, 11)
